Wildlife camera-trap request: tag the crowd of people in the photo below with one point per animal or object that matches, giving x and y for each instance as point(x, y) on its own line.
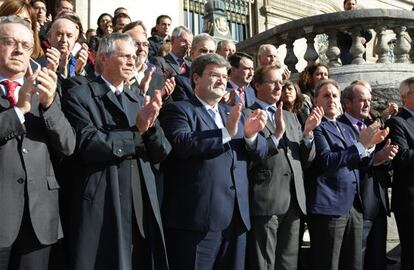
point(121, 150)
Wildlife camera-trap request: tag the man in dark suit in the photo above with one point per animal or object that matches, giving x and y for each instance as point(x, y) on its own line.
point(206, 209)
point(32, 128)
point(277, 193)
point(402, 134)
point(176, 62)
point(238, 86)
point(356, 99)
point(116, 222)
point(202, 44)
point(333, 200)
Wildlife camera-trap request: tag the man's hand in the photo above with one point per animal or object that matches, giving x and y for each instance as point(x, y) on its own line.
point(46, 84)
point(53, 58)
point(63, 63)
point(168, 88)
point(145, 82)
point(232, 121)
point(24, 102)
point(81, 59)
point(254, 123)
point(286, 73)
point(388, 152)
point(229, 98)
point(147, 115)
point(372, 135)
point(314, 120)
point(391, 110)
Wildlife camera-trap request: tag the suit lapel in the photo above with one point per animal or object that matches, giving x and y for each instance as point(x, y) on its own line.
point(170, 60)
point(203, 114)
point(331, 128)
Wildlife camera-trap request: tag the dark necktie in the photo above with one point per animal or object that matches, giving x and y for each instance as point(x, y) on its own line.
point(11, 88)
point(118, 95)
point(272, 111)
point(240, 92)
point(360, 126)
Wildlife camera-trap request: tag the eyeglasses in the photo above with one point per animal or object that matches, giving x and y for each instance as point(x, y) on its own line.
point(142, 44)
point(127, 57)
point(12, 42)
point(279, 82)
point(215, 75)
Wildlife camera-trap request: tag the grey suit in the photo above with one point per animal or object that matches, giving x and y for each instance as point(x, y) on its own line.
point(169, 66)
point(28, 187)
point(277, 198)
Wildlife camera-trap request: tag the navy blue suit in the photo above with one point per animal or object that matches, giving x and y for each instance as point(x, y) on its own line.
point(206, 185)
point(333, 200)
point(183, 89)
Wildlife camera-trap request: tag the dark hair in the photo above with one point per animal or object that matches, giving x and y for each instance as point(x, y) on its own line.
point(324, 83)
point(134, 24)
point(118, 9)
point(348, 0)
point(259, 74)
point(200, 63)
point(305, 81)
point(300, 99)
point(159, 18)
point(60, 1)
point(99, 31)
point(34, 1)
point(120, 15)
point(235, 58)
point(94, 43)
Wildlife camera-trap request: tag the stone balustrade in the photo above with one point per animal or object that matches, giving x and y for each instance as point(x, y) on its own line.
point(391, 65)
point(380, 21)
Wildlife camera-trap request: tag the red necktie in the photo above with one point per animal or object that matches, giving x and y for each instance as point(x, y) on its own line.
point(10, 87)
point(182, 66)
point(240, 91)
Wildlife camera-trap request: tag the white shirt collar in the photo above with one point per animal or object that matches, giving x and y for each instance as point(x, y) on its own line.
point(114, 89)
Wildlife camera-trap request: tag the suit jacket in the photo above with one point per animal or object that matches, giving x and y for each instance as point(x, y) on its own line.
point(116, 181)
point(183, 88)
point(249, 94)
point(334, 174)
point(25, 151)
point(373, 184)
point(169, 66)
point(206, 180)
point(402, 134)
point(271, 185)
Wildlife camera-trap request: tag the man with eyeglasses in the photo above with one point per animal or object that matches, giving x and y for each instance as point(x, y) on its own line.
point(402, 134)
point(206, 209)
point(202, 44)
point(146, 79)
point(238, 86)
point(277, 192)
point(32, 128)
point(116, 221)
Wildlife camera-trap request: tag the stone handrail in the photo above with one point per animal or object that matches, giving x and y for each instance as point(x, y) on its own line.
point(401, 22)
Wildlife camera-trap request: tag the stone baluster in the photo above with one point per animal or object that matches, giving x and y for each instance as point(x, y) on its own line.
point(291, 60)
point(333, 51)
point(357, 49)
point(311, 55)
point(402, 47)
point(382, 48)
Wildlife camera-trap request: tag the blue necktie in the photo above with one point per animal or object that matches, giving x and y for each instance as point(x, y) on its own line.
point(71, 66)
point(216, 117)
point(272, 111)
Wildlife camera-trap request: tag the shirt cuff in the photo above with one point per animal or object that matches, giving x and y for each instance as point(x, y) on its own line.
point(364, 152)
point(308, 142)
point(19, 114)
point(250, 142)
point(275, 140)
point(226, 135)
